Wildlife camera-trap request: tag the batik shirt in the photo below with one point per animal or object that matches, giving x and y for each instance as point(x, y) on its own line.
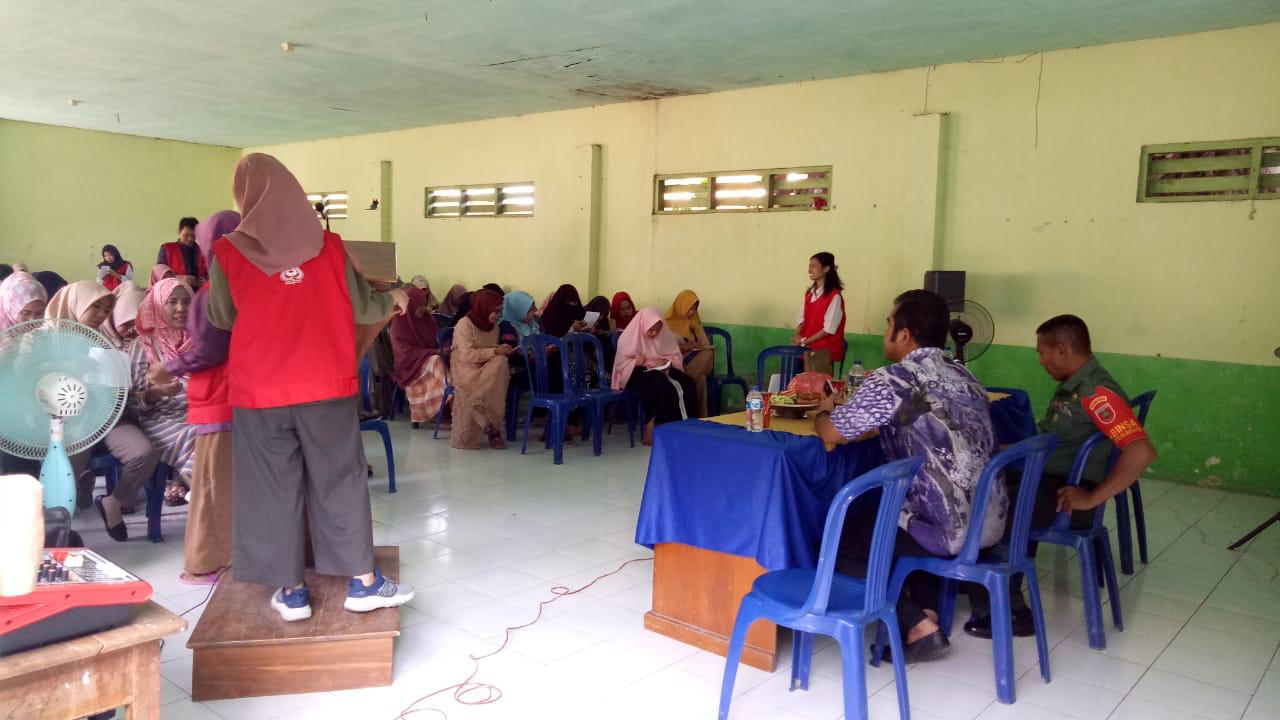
point(930, 406)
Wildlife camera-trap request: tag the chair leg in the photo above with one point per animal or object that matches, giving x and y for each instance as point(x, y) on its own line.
point(746, 616)
point(1139, 521)
point(890, 628)
point(155, 503)
point(556, 426)
point(1123, 537)
point(1113, 587)
point(1037, 614)
point(113, 477)
point(440, 414)
point(385, 432)
point(528, 420)
point(855, 674)
point(1092, 602)
point(596, 410)
point(1002, 638)
point(801, 659)
point(947, 591)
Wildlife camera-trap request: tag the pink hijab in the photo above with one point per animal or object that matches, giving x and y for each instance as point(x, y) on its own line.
point(278, 229)
point(17, 291)
point(72, 300)
point(160, 341)
point(158, 272)
point(635, 343)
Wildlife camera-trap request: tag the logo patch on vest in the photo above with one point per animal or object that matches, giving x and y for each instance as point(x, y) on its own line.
point(292, 276)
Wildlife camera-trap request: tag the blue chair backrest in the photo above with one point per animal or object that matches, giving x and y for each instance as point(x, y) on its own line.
point(364, 384)
point(443, 320)
point(535, 349)
point(1141, 404)
point(714, 332)
point(1031, 454)
point(579, 345)
point(444, 341)
point(892, 479)
point(614, 337)
point(792, 364)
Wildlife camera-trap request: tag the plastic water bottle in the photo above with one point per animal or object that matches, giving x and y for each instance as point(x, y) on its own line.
point(857, 374)
point(755, 410)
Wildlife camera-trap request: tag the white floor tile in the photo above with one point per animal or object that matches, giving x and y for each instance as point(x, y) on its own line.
point(1069, 696)
point(1193, 696)
point(187, 710)
point(1234, 673)
point(942, 696)
point(1094, 668)
point(1136, 708)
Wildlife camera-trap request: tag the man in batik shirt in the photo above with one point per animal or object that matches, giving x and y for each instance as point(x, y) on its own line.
point(924, 405)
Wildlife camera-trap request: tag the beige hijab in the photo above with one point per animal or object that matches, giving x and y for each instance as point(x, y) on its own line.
point(70, 302)
point(278, 228)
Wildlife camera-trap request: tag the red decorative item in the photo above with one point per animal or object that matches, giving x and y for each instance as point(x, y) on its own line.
point(810, 387)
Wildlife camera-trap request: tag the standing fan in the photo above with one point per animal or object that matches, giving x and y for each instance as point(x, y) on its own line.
point(971, 330)
point(64, 387)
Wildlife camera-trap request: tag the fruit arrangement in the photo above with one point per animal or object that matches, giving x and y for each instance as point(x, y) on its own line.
point(809, 387)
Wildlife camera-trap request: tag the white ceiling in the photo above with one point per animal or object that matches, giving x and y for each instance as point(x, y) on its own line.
point(214, 72)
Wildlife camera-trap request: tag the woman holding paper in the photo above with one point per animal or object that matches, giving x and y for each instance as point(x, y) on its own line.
point(698, 354)
point(649, 364)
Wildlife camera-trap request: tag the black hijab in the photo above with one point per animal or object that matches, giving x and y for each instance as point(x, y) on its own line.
point(51, 281)
point(115, 253)
point(563, 311)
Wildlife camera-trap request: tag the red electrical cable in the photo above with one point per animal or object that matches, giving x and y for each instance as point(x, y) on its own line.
point(460, 690)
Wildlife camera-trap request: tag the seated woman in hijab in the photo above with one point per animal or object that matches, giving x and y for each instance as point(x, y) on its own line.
point(649, 363)
point(562, 314)
point(421, 282)
point(699, 354)
point(161, 409)
point(22, 298)
point(604, 333)
point(161, 272)
point(464, 305)
point(480, 373)
point(52, 281)
point(419, 368)
point(453, 300)
point(621, 310)
point(91, 304)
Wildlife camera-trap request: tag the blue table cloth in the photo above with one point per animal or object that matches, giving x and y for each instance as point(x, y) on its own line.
point(762, 495)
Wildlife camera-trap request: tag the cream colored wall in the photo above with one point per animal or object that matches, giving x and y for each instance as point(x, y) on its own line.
point(1043, 225)
point(64, 193)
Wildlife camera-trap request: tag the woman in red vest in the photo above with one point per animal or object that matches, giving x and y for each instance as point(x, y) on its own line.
point(285, 289)
point(820, 325)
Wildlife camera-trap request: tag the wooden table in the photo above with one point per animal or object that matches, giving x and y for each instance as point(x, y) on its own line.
point(86, 675)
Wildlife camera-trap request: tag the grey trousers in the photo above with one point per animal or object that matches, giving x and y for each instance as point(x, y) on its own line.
point(287, 459)
point(137, 456)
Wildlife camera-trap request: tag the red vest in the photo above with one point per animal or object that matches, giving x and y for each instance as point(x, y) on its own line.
point(207, 390)
point(815, 315)
point(111, 282)
point(294, 339)
point(174, 259)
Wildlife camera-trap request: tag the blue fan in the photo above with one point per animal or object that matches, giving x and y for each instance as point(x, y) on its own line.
point(64, 386)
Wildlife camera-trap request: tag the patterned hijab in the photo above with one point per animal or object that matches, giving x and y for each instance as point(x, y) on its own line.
point(16, 292)
point(160, 341)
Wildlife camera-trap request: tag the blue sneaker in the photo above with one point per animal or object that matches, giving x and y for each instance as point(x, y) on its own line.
point(381, 594)
point(293, 605)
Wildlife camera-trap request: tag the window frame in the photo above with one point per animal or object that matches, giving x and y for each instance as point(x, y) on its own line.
point(770, 190)
point(346, 211)
point(1255, 176)
point(498, 196)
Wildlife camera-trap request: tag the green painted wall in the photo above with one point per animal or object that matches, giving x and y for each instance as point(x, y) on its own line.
point(1213, 423)
point(64, 193)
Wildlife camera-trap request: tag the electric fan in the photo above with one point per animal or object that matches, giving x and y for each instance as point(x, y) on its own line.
point(64, 387)
point(971, 330)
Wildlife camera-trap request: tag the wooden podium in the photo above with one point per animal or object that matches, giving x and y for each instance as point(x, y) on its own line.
point(242, 648)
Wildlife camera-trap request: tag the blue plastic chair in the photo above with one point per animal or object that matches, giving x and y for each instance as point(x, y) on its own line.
point(992, 569)
point(109, 466)
point(558, 405)
point(444, 341)
point(601, 397)
point(716, 383)
point(810, 600)
point(792, 358)
point(516, 388)
point(838, 365)
point(1093, 548)
point(377, 425)
point(1140, 404)
point(443, 320)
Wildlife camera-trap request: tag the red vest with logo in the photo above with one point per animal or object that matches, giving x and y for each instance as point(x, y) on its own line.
point(207, 391)
point(815, 317)
point(173, 258)
point(294, 339)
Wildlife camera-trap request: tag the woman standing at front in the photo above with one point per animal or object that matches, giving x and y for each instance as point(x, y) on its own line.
point(286, 291)
point(820, 324)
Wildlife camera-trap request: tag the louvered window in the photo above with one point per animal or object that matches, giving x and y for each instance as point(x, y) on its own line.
point(1226, 170)
point(492, 200)
point(743, 191)
point(332, 205)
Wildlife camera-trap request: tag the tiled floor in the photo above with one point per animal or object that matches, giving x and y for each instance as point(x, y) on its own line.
point(486, 535)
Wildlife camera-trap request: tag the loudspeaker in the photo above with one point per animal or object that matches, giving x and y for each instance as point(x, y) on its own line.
point(947, 283)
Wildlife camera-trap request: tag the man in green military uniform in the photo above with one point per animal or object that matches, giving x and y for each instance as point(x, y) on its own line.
point(1087, 400)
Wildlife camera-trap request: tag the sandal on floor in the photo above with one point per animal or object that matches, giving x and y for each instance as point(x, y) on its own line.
point(496, 442)
point(118, 532)
point(175, 494)
point(187, 578)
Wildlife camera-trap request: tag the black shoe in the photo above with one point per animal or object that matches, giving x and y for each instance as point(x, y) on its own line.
point(119, 532)
point(930, 647)
point(1024, 625)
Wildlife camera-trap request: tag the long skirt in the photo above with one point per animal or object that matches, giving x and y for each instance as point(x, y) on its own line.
point(664, 396)
point(426, 392)
point(479, 403)
point(207, 547)
point(295, 459)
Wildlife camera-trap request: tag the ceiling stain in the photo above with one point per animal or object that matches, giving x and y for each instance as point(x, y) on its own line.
point(633, 91)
